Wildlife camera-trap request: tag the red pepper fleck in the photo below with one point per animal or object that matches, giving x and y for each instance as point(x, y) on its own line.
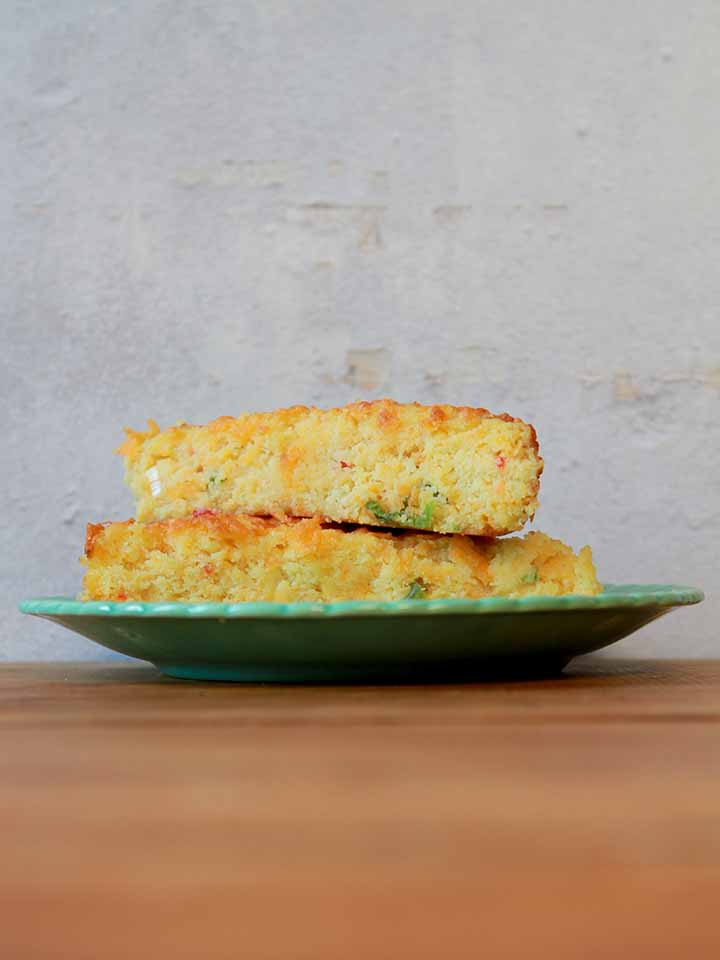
point(121, 596)
point(209, 569)
point(203, 513)
point(345, 465)
point(500, 461)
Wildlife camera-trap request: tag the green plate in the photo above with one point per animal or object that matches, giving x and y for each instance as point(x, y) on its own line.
point(363, 641)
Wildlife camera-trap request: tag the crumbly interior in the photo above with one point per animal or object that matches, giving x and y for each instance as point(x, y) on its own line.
point(442, 468)
point(237, 558)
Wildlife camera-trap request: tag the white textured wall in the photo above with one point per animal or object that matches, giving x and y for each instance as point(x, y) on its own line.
point(217, 206)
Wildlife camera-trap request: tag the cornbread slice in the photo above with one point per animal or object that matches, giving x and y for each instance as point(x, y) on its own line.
point(235, 558)
point(442, 468)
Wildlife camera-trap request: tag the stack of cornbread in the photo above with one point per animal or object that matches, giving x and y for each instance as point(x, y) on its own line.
point(372, 501)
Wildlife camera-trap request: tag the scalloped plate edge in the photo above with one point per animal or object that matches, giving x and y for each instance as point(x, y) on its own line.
point(614, 596)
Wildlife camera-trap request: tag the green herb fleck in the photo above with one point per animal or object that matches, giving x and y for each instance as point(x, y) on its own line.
point(531, 576)
point(378, 511)
point(424, 520)
point(214, 481)
point(402, 517)
point(417, 591)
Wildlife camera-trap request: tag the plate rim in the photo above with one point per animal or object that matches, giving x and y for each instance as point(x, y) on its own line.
point(614, 596)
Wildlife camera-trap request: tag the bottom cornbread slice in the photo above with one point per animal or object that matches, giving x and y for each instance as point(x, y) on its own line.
point(234, 558)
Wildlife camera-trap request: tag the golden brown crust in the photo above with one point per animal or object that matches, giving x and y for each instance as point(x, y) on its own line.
point(93, 533)
point(233, 525)
point(385, 409)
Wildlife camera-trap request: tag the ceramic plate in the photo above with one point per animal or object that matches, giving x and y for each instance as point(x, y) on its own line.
point(363, 641)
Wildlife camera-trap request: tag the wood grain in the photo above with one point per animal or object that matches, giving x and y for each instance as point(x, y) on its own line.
point(578, 817)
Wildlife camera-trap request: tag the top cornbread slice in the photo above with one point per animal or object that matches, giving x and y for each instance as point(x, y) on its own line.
point(440, 468)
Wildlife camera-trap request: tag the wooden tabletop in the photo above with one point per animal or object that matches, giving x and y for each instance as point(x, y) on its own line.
point(150, 818)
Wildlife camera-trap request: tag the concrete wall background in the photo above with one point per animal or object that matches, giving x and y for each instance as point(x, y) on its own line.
point(219, 206)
